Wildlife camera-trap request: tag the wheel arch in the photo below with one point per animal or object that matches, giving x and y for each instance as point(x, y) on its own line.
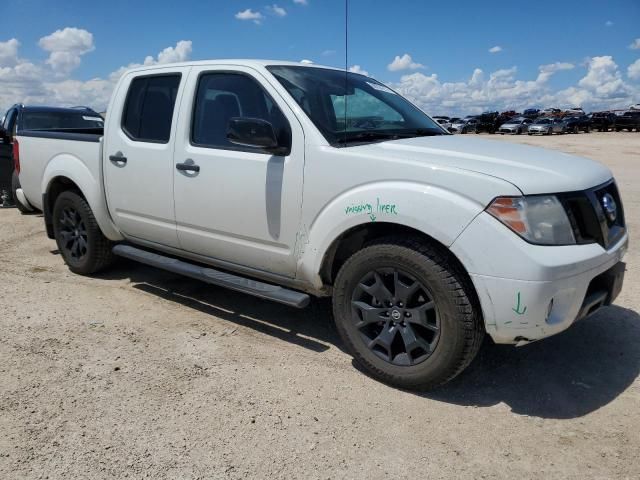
point(66, 172)
point(353, 239)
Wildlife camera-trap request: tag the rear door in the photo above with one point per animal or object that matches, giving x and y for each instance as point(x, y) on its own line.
point(243, 205)
point(138, 151)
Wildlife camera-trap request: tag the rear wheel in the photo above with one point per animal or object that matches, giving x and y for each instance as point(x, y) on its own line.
point(407, 314)
point(549, 132)
point(79, 238)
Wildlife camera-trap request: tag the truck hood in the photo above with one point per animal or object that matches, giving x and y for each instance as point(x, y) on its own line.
point(533, 170)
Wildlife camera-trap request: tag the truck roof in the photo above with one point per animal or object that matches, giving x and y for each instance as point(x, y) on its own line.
point(231, 61)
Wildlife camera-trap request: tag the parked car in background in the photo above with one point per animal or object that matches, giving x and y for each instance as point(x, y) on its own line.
point(575, 111)
point(488, 122)
point(603, 121)
point(576, 124)
point(550, 112)
point(515, 126)
point(21, 118)
point(628, 121)
point(465, 125)
point(547, 126)
point(531, 113)
point(425, 241)
point(443, 122)
point(510, 114)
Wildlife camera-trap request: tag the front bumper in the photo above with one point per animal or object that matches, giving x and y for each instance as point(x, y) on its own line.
point(529, 292)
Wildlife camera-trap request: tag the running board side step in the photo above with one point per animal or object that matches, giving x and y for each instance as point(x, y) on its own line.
point(215, 277)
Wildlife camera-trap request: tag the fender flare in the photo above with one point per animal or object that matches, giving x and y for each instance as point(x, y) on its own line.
point(441, 214)
point(70, 167)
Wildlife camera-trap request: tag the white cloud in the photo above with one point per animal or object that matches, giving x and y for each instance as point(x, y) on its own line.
point(306, 61)
point(635, 45)
point(27, 82)
point(65, 48)
point(404, 62)
point(601, 87)
point(277, 11)
point(249, 14)
point(633, 70)
point(546, 71)
point(358, 69)
point(180, 53)
point(9, 52)
point(608, 23)
point(301, 2)
point(328, 53)
point(495, 49)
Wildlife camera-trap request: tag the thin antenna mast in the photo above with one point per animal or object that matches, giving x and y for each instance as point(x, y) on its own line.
point(346, 64)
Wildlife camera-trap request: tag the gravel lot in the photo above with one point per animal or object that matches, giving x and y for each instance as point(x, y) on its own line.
point(143, 374)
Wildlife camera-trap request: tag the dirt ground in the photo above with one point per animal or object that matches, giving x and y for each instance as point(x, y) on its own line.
point(139, 373)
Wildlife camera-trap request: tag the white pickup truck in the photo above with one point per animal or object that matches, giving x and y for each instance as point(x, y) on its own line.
point(285, 180)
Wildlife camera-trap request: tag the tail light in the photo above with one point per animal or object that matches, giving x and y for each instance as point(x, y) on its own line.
point(16, 155)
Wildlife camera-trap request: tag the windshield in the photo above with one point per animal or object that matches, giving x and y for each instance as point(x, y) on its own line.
point(55, 120)
point(369, 112)
point(543, 121)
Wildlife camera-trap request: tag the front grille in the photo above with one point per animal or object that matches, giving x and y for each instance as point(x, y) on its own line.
point(586, 212)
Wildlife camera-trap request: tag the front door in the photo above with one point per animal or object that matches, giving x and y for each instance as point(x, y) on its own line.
point(138, 163)
point(243, 204)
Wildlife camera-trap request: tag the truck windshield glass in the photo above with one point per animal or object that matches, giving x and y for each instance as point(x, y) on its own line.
point(60, 120)
point(369, 112)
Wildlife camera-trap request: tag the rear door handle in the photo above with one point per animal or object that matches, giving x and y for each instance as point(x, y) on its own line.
point(187, 167)
point(118, 159)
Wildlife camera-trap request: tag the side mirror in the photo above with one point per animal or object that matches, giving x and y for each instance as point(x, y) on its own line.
point(255, 132)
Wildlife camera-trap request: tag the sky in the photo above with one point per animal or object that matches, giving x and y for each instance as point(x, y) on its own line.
point(459, 58)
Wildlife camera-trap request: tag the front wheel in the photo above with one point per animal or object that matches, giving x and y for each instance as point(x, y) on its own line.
point(406, 313)
point(83, 246)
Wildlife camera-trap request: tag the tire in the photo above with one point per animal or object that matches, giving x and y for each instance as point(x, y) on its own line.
point(80, 241)
point(444, 338)
point(575, 129)
point(519, 131)
point(549, 132)
point(15, 185)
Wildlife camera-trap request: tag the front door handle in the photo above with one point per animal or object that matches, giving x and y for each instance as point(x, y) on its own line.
point(118, 159)
point(187, 167)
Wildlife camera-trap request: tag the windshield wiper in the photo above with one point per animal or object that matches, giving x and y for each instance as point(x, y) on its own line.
point(367, 136)
point(377, 135)
point(421, 132)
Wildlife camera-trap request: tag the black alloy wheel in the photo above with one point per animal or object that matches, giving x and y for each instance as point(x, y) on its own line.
point(396, 316)
point(73, 233)
point(82, 244)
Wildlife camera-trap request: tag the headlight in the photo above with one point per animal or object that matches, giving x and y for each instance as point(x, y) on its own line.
point(538, 219)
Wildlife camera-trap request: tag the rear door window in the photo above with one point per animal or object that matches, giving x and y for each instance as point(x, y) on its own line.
point(148, 110)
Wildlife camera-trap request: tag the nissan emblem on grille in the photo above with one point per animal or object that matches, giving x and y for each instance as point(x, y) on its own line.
point(610, 207)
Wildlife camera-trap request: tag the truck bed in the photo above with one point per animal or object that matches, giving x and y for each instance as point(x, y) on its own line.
point(42, 149)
